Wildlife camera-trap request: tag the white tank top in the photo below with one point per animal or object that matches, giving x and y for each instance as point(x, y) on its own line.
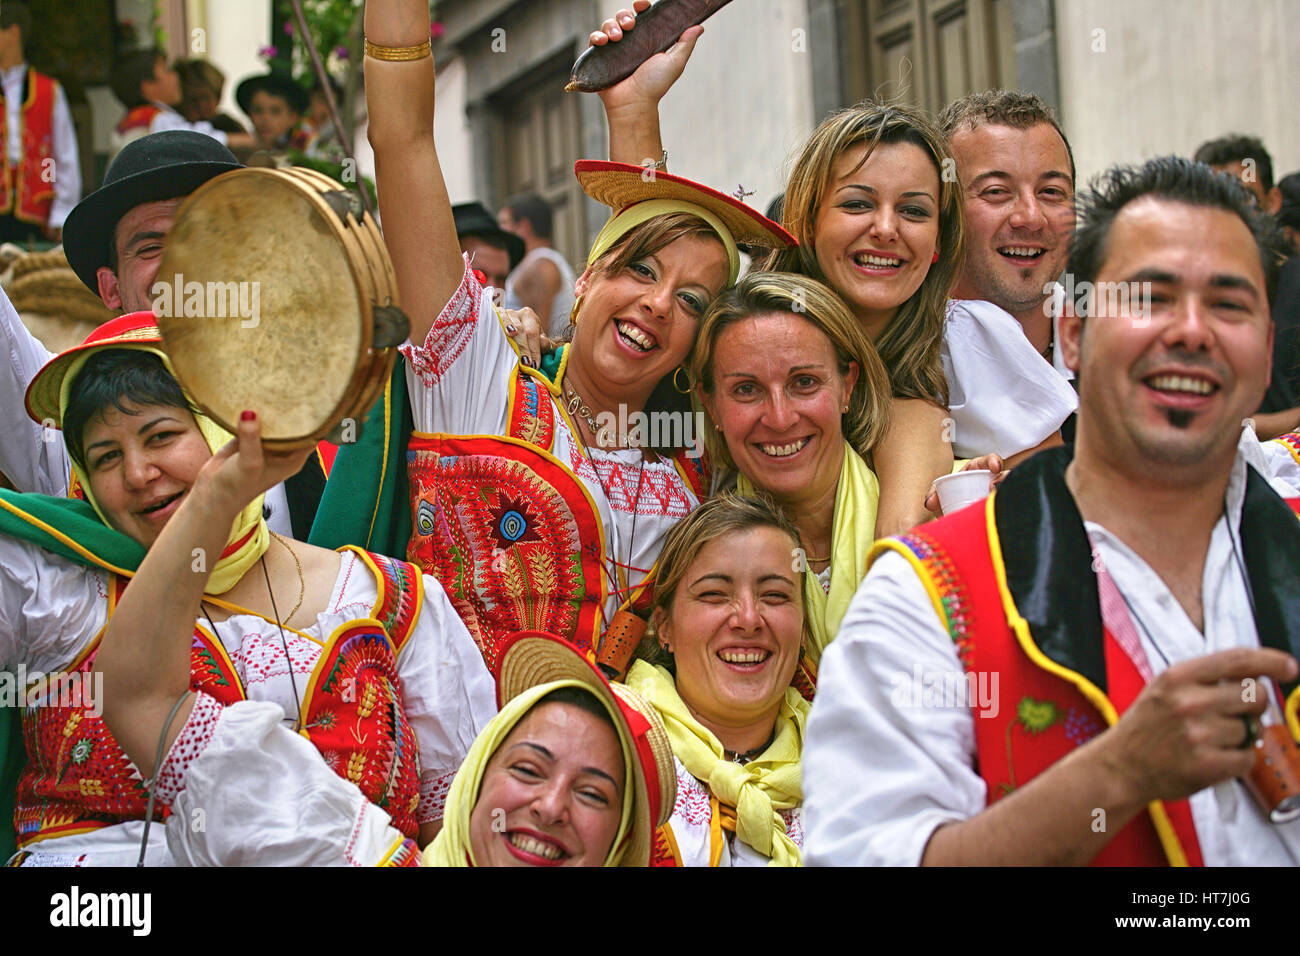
point(558, 321)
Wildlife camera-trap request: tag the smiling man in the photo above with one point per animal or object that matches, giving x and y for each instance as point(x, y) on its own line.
point(1017, 178)
point(1132, 593)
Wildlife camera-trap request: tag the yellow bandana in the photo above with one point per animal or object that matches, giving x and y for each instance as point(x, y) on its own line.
point(757, 789)
point(249, 532)
point(852, 534)
point(452, 845)
point(621, 223)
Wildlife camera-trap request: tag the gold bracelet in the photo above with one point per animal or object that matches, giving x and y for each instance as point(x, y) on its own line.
point(399, 54)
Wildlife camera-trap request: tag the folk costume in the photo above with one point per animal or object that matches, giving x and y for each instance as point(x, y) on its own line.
point(758, 804)
point(149, 118)
point(527, 527)
point(986, 646)
point(41, 179)
point(1004, 397)
point(348, 830)
point(62, 571)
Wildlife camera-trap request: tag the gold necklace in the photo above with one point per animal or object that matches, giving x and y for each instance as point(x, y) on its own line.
point(302, 583)
point(580, 409)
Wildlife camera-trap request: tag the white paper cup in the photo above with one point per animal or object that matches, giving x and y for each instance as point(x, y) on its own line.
point(963, 488)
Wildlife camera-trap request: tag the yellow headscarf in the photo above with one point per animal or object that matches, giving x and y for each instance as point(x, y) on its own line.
point(757, 789)
point(852, 534)
point(249, 536)
point(621, 223)
point(452, 845)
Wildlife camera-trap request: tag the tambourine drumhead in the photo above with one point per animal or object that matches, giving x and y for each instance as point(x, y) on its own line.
point(265, 298)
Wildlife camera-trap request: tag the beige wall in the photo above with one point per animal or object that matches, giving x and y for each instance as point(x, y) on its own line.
point(1175, 73)
point(451, 132)
point(745, 101)
point(234, 31)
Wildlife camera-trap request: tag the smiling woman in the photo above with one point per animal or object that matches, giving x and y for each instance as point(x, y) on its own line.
point(536, 513)
point(173, 507)
point(729, 634)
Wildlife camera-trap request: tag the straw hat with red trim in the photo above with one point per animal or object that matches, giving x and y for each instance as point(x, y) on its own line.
point(621, 185)
point(135, 330)
point(532, 658)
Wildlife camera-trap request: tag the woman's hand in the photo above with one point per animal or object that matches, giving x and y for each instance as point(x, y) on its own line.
point(244, 469)
point(983, 463)
point(525, 330)
point(654, 77)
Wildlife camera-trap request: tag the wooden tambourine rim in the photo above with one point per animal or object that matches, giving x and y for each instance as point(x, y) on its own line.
point(374, 284)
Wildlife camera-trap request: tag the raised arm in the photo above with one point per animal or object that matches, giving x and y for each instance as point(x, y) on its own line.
point(632, 107)
point(145, 653)
point(419, 230)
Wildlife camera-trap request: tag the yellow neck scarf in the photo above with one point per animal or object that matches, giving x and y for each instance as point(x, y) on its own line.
point(759, 788)
point(452, 845)
point(249, 536)
point(852, 535)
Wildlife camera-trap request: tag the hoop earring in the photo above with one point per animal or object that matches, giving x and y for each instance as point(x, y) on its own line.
point(678, 388)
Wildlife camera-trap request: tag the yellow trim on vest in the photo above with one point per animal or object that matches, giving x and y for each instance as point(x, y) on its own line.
point(1291, 449)
point(893, 544)
point(666, 831)
point(215, 644)
point(1091, 692)
point(312, 682)
point(383, 460)
point(392, 851)
point(1293, 713)
point(715, 831)
point(381, 586)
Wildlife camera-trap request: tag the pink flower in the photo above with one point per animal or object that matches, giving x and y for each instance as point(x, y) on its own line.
point(436, 30)
point(267, 52)
point(288, 27)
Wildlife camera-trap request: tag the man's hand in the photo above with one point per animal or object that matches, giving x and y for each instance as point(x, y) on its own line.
point(1187, 729)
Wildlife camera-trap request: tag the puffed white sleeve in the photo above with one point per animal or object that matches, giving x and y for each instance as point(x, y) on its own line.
point(245, 790)
point(448, 693)
point(50, 608)
point(884, 765)
point(31, 455)
point(1002, 395)
point(169, 119)
point(459, 376)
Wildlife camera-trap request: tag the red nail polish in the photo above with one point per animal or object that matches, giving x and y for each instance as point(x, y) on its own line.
point(247, 415)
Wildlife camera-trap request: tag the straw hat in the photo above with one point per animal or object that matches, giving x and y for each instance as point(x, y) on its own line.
point(621, 185)
point(136, 330)
point(532, 658)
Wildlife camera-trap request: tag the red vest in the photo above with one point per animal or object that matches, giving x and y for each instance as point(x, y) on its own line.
point(27, 190)
point(77, 779)
point(1062, 678)
point(141, 117)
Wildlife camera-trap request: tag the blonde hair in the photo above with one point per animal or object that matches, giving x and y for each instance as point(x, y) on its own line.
point(760, 293)
point(910, 344)
point(722, 515)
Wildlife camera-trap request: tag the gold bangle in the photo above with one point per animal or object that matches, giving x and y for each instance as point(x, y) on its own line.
point(399, 54)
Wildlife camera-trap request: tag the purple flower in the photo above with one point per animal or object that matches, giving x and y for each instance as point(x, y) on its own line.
point(288, 28)
point(341, 52)
point(267, 52)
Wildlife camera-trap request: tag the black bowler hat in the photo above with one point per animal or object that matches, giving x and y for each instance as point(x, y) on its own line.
point(153, 168)
point(473, 219)
point(277, 83)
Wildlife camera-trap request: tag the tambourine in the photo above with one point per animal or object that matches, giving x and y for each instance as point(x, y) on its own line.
point(275, 293)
